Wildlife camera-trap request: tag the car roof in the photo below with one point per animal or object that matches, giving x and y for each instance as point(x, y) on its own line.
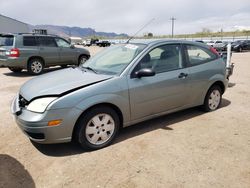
point(165, 41)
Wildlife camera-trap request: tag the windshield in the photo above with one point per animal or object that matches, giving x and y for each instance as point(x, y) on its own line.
point(114, 59)
point(6, 40)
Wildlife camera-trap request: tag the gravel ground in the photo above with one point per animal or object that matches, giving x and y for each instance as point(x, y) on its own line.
point(184, 149)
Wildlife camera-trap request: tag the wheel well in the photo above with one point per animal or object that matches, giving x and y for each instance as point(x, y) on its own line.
point(114, 107)
point(220, 84)
point(36, 57)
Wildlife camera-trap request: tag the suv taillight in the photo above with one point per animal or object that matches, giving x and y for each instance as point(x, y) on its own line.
point(214, 51)
point(14, 52)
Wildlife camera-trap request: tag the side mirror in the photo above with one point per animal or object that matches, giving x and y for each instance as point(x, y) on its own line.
point(146, 72)
point(72, 46)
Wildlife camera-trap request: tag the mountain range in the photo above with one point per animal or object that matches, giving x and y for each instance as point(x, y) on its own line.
point(66, 31)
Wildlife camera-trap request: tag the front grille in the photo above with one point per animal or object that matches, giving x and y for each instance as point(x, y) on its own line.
point(22, 101)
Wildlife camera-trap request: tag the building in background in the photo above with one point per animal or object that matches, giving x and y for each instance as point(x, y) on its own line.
point(10, 25)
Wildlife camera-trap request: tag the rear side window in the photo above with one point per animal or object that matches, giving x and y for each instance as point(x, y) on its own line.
point(29, 41)
point(6, 40)
point(47, 41)
point(197, 55)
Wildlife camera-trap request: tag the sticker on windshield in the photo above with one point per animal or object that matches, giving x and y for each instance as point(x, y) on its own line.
point(131, 46)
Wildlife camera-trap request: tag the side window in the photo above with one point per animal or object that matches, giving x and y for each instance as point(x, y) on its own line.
point(198, 55)
point(47, 42)
point(62, 43)
point(29, 41)
point(162, 59)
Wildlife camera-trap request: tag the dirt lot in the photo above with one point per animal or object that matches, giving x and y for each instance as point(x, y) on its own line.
point(185, 149)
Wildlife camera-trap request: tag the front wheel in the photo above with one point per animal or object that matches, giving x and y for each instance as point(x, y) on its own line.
point(82, 59)
point(213, 99)
point(97, 128)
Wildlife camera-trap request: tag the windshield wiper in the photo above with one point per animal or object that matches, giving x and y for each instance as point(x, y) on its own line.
point(89, 68)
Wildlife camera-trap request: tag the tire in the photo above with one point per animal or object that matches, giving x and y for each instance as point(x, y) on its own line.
point(82, 59)
point(99, 134)
point(35, 66)
point(16, 70)
point(213, 99)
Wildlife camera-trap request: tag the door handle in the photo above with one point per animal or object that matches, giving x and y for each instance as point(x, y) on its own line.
point(183, 75)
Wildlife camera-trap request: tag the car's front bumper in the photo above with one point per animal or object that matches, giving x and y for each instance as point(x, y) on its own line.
point(35, 125)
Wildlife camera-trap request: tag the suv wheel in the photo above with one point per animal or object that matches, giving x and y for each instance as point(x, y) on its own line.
point(14, 69)
point(82, 59)
point(213, 99)
point(35, 66)
point(97, 128)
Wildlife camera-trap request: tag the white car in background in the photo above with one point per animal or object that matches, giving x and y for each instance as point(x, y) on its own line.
point(218, 45)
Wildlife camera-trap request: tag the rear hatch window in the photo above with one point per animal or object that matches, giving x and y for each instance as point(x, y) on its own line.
point(6, 43)
point(6, 40)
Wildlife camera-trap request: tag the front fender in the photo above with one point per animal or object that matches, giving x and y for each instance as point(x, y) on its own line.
point(119, 101)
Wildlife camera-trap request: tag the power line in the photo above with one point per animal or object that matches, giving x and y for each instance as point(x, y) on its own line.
point(172, 19)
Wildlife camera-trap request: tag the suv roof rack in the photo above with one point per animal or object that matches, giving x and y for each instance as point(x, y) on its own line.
point(37, 34)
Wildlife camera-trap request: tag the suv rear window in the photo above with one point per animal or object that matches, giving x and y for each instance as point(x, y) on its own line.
point(6, 40)
point(29, 41)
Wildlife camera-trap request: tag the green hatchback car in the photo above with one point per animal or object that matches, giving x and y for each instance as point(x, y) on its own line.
point(34, 52)
point(122, 85)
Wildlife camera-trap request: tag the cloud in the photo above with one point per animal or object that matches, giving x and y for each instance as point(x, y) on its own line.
point(128, 16)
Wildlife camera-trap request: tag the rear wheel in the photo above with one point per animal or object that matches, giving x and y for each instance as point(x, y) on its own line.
point(16, 70)
point(97, 128)
point(213, 99)
point(35, 66)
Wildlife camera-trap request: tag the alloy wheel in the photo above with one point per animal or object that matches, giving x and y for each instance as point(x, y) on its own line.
point(36, 67)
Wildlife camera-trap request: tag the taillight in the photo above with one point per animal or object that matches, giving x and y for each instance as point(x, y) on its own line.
point(214, 51)
point(14, 52)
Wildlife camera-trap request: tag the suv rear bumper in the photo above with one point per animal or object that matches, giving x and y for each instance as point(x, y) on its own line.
point(13, 62)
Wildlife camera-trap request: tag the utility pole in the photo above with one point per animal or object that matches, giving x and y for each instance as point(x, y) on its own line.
point(172, 19)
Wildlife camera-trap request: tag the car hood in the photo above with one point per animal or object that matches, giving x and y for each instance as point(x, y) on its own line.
point(60, 82)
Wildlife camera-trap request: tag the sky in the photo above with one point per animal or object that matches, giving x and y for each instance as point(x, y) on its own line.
point(128, 16)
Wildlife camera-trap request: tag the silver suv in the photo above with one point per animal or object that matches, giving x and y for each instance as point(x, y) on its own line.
point(34, 52)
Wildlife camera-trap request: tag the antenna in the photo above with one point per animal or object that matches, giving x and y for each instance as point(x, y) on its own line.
point(141, 29)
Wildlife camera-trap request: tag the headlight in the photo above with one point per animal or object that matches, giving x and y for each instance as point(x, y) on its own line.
point(40, 105)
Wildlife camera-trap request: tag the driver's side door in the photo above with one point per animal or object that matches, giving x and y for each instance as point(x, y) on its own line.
point(166, 90)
